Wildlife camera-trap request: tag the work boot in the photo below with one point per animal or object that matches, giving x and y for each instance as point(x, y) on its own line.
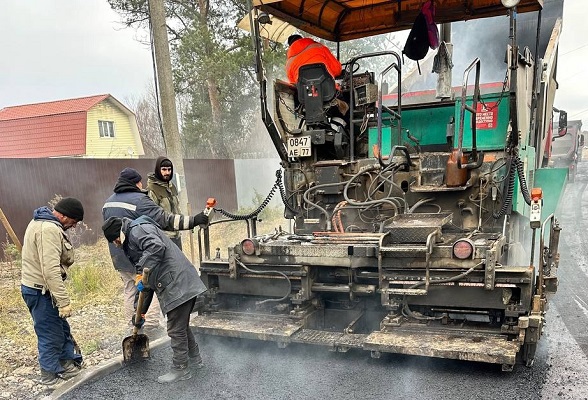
point(70, 369)
point(177, 373)
point(49, 378)
point(195, 358)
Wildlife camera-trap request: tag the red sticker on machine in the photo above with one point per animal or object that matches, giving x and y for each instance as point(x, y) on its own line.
point(486, 115)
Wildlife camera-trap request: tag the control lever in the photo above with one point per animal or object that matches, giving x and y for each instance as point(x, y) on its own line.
point(210, 203)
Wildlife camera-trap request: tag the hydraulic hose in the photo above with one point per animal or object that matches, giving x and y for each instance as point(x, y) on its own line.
point(370, 202)
point(522, 180)
point(515, 161)
point(264, 203)
point(266, 273)
point(509, 192)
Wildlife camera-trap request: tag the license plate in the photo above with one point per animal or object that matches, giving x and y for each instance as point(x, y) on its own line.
point(299, 146)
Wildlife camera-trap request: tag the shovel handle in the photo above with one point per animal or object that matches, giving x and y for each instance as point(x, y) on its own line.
point(141, 299)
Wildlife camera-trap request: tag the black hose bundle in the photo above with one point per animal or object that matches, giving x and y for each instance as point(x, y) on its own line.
point(522, 180)
point(509, 191)
point(264, 203)
point(515, 161)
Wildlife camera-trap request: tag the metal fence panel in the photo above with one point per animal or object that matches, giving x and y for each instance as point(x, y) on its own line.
point(27, 184)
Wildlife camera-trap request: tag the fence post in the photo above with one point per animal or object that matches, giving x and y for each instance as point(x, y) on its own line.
point(10, 231)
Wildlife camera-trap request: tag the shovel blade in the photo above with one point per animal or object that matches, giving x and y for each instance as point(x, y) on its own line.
point(135, 348)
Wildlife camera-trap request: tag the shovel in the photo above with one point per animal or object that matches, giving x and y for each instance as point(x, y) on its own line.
point(136, 346)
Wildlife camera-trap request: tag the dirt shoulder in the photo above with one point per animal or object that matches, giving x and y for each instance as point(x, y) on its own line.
point(97, 329)
point(97, 323)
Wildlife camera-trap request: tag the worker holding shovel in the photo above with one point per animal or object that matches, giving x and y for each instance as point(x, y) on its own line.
point(171, 276)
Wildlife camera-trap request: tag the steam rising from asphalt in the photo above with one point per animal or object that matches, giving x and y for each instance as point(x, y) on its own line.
point(254, 179)
point(488, 38)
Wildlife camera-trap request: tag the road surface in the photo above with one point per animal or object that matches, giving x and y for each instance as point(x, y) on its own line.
point(253, 370)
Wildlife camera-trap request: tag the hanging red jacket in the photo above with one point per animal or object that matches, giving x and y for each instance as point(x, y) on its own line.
point(306, 51)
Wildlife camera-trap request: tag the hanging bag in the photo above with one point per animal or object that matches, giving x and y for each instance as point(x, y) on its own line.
point(417, 43)
point(423, 35)
point(428, 10)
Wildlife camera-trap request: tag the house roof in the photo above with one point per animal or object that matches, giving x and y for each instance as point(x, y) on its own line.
point(50, 129)
point(51, 107)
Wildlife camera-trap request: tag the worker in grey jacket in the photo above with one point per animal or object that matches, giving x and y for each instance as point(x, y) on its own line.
point(131, 201)
point(47, 255)
point(173, 278)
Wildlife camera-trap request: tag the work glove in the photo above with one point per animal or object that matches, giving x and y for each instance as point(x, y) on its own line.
point(139, 282)
point(139, 324)
point(64, 311)
point(200, 219)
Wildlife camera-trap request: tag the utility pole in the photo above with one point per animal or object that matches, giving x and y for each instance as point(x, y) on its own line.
point(169, 115)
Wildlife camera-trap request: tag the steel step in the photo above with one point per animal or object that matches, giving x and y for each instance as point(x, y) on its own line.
point(396, 250)
point(408, 292)
point(471, 347)
point(248, 327)
point(332, 339)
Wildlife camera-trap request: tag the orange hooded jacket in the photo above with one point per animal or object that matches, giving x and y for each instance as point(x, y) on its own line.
point(306, 51)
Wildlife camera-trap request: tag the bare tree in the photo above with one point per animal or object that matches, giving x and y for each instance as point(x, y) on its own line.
point(148, 121)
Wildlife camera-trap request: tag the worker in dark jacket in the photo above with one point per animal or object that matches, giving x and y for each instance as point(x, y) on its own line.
point(173, 278)
point(131, 201)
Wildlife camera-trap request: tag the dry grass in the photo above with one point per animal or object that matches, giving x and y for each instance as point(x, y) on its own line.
point(92, 284)
point(232, 233)
point(96, 293)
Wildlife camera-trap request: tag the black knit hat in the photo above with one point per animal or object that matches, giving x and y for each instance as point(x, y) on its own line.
point(70, 207)
point(111, 228)
point(131, 175)
point(293, 38)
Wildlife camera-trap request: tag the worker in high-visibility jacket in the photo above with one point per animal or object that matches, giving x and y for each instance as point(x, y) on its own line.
point(305, 51)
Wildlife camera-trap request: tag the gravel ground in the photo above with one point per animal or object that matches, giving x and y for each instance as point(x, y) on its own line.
point(98, 329)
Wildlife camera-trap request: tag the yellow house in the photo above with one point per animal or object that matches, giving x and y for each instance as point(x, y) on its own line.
point(89, 127)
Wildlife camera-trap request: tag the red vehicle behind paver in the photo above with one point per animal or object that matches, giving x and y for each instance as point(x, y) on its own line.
point(566, 147)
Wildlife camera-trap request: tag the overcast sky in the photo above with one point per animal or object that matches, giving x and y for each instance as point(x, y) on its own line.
point(572, 94)
point(59, 49)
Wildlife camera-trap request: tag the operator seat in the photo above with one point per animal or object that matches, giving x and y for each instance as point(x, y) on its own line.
point(316, 89)
point(316, 92)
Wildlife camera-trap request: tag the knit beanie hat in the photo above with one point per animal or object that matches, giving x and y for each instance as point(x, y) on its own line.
point(131, 175)
point(111, 228)
point(293, 38)
point(70, 207)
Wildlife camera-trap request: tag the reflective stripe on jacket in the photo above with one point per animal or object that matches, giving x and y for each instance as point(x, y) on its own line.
point(306, 51)
point(131, 202)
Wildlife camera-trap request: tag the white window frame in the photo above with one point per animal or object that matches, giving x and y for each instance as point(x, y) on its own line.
point(106, 129)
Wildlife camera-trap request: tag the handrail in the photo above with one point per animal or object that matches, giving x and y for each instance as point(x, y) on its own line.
point(396, 65)
point(261, 79)
point(396, 115)
point(204, 236)
point(475, 157)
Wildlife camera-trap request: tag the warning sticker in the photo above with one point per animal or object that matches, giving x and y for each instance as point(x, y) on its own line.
point(486, 117)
